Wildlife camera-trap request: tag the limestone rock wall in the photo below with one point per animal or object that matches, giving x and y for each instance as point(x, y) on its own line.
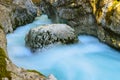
point(108, 19)
point(76, 13)
point(14, 13)
point(100, 18)
point(9, 71)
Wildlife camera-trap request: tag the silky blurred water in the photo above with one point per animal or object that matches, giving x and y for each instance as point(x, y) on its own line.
point(87, 60)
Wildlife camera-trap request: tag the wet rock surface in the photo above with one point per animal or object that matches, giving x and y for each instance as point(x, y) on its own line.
point(9, 71)
point(42, 36)
point(99, 18)
point(14, 13)
point(108, 18)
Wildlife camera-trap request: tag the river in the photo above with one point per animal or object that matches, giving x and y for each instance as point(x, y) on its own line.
point(87, 60)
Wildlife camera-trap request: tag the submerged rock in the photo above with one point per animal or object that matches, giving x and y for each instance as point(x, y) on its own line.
point(42, 36)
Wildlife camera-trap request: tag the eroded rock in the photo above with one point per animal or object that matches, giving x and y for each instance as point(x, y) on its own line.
point(42, 36)
point(100, 18)
point(14, 13)
point(76, 13)
point(9, 71)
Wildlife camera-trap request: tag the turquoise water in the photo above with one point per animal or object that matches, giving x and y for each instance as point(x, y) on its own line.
point(87, 60)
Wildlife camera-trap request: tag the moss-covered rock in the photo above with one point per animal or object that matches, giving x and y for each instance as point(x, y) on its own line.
point(36, 72)
point(3, 66)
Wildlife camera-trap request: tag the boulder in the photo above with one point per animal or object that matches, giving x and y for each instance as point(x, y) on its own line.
point(42, 36)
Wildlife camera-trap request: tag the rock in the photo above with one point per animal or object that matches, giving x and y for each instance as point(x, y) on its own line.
point(3, 41)
point(42, 36)
point(108, 17)
point(51, 77)
point(70, 12)
point(9, 71)
point(36, 2)
point(5, 19)
point(100, 18)
point(14, 13)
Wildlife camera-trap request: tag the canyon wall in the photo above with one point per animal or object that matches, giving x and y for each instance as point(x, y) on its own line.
point(14, 13)
point(100, 18)
point(9, 71)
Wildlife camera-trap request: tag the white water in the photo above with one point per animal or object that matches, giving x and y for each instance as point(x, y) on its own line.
point(87, 60)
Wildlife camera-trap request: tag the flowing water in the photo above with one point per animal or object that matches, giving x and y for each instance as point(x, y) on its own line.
point(87, 60)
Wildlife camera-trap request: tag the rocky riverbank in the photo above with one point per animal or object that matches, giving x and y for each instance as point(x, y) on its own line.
point(100, 18)
point(14, 13)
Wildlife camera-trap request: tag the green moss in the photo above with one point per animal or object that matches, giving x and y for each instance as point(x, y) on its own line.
point(108, 15)
point(3, 72)
point(1, 26)
point(36, 72)
point(111, 11)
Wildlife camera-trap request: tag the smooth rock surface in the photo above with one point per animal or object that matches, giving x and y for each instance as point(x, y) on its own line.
point(42, 36)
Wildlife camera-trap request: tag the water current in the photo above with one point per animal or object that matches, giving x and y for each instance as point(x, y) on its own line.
point(87, 60)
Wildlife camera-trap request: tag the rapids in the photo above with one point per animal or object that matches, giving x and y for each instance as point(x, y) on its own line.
point(87, 60)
